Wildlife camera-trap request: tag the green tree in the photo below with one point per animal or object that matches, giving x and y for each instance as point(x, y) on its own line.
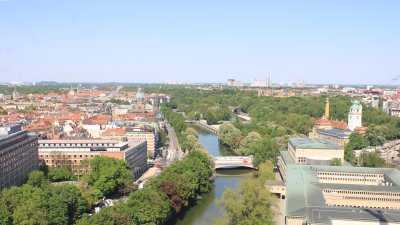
point(210, 117)
point(194, 115)
point(229, 135)
point(251, 138)
point(107, 175)
point(349, 155)
point(65, 204)
point(251, 204)
point(299, 123)
point(37, 179)
point(376, 134)
point(149, 206)
point(266, 171)
point(5, 214)
point(116, 215)
point(27, 204)
point(264, 150)
point(357, 141)
point(56, 174)
point(336, 162)
point(29, 214)
point(371, 159)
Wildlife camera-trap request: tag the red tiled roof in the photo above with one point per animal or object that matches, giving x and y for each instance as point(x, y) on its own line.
point(99, 119)
point(127, 116)
point(323, 122)
point(362, 130)
point(73, 117)
point(339, 124)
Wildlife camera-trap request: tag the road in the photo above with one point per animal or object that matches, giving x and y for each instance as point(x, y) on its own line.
point(174, 150)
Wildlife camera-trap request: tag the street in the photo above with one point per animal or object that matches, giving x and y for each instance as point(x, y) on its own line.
point(174, 150)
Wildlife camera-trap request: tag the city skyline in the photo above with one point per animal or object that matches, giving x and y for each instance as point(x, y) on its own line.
point(320, 42)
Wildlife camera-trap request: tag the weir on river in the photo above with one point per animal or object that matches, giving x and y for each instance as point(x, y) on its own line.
point(205, 211)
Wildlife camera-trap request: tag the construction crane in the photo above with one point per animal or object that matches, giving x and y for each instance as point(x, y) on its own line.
point(391, 81)
point(387, 85)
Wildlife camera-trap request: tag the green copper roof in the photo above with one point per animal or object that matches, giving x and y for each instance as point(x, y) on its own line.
point(356, 105)
point(313, 143)
point(139, 94)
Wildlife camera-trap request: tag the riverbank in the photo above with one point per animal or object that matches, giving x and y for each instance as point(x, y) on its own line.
point(205, 210)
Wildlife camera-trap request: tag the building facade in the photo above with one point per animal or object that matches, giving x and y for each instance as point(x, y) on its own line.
point(75, 153)
point(143, 136)
point(130, 135)
point(18, 155)
point(234, 83)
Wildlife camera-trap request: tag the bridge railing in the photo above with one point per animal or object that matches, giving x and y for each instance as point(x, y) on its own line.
point(226, 160)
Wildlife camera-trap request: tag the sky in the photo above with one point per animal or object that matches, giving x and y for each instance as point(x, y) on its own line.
point(330, 41)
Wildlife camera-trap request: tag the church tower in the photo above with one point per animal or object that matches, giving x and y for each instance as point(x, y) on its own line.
point(15, 94)
point(71, 91)
point(355, 115)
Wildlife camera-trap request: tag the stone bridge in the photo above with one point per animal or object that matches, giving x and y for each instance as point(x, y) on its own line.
point(204, 125)
point(233, 161)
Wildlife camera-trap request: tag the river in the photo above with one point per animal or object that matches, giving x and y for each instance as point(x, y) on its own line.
point(205, 211)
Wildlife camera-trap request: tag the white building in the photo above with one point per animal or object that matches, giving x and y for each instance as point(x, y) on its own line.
point(262, 83)
point(235, 83)
point(259, 83)
point(355, 116)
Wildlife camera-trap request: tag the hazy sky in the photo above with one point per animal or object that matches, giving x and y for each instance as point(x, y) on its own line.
point(318, 41)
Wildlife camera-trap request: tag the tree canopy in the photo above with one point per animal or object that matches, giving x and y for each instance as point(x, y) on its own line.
point(42, 204)
point(251, 203)
point(107, 176)
point(229, 135)
point(371, 159)
point(165, 195)
point(56, 174)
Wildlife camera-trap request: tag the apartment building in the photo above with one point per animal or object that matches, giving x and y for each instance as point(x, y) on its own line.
point(18, 155)
point(132, 135)
point(76, 153)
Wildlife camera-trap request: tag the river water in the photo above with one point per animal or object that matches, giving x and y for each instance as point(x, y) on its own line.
point(205, 211)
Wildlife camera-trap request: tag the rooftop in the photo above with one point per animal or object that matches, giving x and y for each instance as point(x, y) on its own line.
point(338, 133)
point(287, 158)
point(84, 141)
point(305, 198)
point(313, 143)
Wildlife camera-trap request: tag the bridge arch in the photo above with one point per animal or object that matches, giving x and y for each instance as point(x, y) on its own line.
point(233, 162)
point(234, 167)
